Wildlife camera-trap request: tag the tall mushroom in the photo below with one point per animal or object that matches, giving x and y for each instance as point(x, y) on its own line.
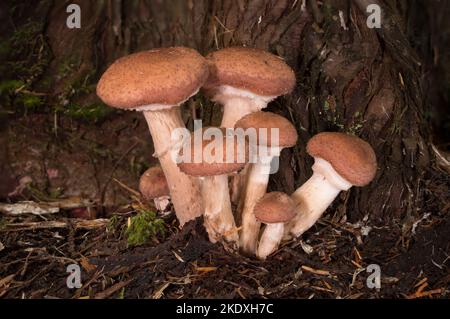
point(273, 209)
point(273, 133)
point(244, 80)
point(153, 186)
point(340, 162)
point(156, 82)
point(220, 155)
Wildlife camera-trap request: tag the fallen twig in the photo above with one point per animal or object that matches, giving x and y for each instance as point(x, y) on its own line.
point(111, 290)
point(44, 208)
point(421, 294)
point(76, 223)
point(316, 271)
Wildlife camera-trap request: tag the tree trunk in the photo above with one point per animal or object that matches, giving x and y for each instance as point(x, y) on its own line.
point(349, 78)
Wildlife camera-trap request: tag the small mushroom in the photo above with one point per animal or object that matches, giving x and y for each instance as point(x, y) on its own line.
point(156, 82)
point(340, 162)
point(266, 125)
point(244, 80)
point(153, 186)
point(273, 209)
point(220, 155)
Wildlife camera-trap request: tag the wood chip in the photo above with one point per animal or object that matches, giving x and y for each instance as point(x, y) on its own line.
point(86, 265)
point(425, 293)
point(322, 289)
point(316, 271)
point(76, 223)
point(111, 290)
point(205, 269)
point(43, 208)
point(308, 249)
point(158, 294)
point(421, 282)
point(178, 257)
point(6, 280)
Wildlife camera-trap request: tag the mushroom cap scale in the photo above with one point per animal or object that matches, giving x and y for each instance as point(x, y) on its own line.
point(251, 69)
point(275, 207)
point(287, 134)
point(166, 76)
point(153, 183)
point(214, 166)
point(351, 157)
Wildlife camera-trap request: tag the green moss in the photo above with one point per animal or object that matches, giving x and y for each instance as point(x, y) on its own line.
point(94, 112)
point(10, 86)
point(25, 56)
point(112, 224)
point(3, 223)
point(27, 53)
point(357, 125)
point(68, 66)
point(143, 227)
point(31, 102)
point(121, 294)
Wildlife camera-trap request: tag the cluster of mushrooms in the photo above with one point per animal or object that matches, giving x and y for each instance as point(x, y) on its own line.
point(231, 195)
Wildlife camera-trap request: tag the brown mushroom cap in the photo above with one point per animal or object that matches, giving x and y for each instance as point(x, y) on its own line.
point(254, 70)
point(213, 168)
point(166, 76)
point(275, 207)
point(351, 157)
point(153, 183)
point(266, 120)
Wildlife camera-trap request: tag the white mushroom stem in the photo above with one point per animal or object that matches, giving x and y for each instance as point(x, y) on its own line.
point(238, 103)
point(256, 187)
point(270, 239)
point(218, 216)
point(184, 190)
point(313, 197)
point(161, 203)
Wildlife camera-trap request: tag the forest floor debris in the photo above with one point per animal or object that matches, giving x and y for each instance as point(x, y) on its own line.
point(183, 264)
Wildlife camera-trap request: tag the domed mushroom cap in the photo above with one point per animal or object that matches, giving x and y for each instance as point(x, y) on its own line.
point(153, 183)
point(350, 156)
point(275, 207)
point(210, 163)
point(166, 76)
point(287, 134)
point(250, 69)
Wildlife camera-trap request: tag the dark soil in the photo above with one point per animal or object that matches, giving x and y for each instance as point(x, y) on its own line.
point(102, 162)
